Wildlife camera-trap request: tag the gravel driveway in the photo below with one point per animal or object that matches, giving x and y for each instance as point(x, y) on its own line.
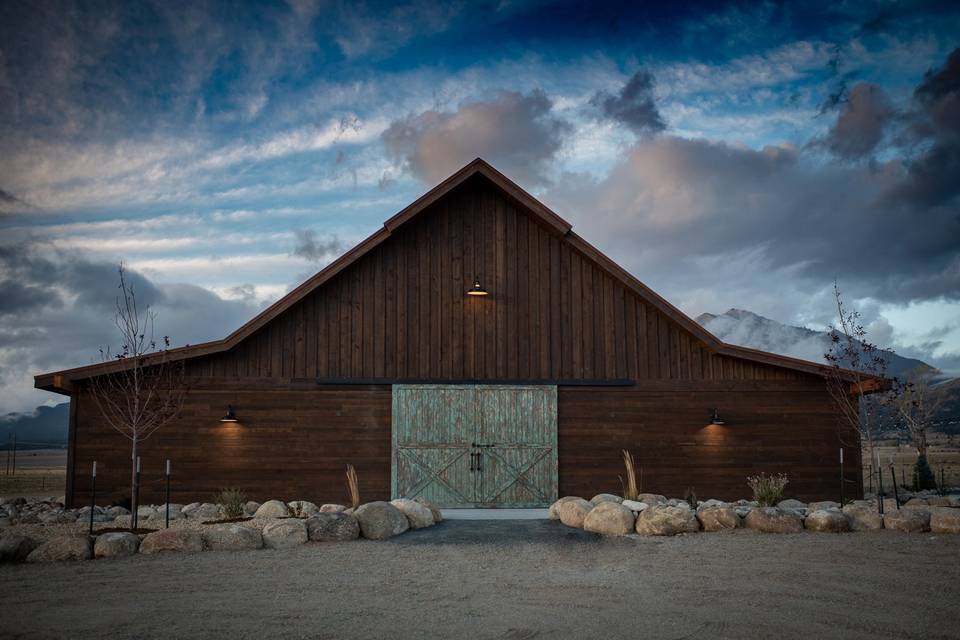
point(507, 580)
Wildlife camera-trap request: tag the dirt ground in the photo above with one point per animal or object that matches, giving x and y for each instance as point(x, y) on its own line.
point(507, 580)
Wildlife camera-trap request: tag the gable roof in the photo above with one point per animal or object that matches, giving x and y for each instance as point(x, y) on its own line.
point(60, 381)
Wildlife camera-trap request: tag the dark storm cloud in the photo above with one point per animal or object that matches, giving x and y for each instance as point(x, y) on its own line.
point(515, 132)
point(860, 127)
point(633, 106)
point(710, 201)
point(315, 249)
point(57, 310)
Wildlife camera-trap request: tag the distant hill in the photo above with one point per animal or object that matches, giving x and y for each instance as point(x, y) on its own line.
point(44, 427)
point(748, 329)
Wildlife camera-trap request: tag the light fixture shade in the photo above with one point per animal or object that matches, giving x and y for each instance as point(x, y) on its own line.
point(231, 416)
point(476, 289)
point(715, 418)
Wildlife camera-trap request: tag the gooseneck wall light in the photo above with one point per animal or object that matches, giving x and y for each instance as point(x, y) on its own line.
point(231, 416)
point(476, 289)
point(715, 418)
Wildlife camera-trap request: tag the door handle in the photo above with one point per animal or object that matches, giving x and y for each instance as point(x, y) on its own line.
point(480, 461)
point(473, 460)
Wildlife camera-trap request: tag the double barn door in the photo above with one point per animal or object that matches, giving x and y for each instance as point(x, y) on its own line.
point(475, 445)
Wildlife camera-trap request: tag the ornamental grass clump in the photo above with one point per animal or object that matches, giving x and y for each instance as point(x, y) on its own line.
point(630, 488)
point(767, 490)
point(353, 487)
point(231, 502)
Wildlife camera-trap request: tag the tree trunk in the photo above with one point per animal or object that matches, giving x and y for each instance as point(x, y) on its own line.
point(133, 484)
point(920, 442)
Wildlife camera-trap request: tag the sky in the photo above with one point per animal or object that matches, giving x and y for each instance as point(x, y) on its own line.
point(727, 154)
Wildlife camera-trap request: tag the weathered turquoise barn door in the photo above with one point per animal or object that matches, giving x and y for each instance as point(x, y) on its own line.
point(517, 446)
point(432, 442)
point(475, 445)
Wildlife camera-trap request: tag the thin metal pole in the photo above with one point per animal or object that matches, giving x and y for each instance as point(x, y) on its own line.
point(14, 454)
point(93, 494)
point(893, 476)
point(168, 495)
point(870, 476)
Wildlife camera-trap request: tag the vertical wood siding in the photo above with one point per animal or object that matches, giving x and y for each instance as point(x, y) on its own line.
point(401, 311)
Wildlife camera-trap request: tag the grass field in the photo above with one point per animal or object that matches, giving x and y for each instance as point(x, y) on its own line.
point(39, 472)
point(943, 455)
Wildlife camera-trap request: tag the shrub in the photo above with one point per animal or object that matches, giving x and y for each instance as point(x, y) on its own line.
point(767, 490)
point(630, 490)
point(923, 477)
point(231, 502)
point(691, 497)
point(353, 487)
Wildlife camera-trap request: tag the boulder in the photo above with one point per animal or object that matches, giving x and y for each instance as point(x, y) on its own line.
point(574, 512)
point(77, 546)
point(718, 518)
point(231, 537)
point(916, 502)
point(823, 504)
point(380, 520)
point(171, 540)
point(6, 522)
point(434, 509)
point(910, 519)
point(605, 497)
point(660, 520)
point(175, 512)
point(634, 506)
point(303, 508)
point(188, 510)
point(652, 498)
point(711, 503)
point(674, 502)
point(332, 526)
point(774, 520)
point(938, 501)
point(609, 518)
point(250, 508)
point(332, 508)
point(555, 507)
point(827, 521)
point(945, 520)
point(16, 548)
point(793, 506)
point(145, 512)
point(418, 515)
point(862, 516)
point(272, 509)
point(283, 534)
point(116, 512)
point(56, 517)
point(116, 544)
point(954, 500)
point(206, 511)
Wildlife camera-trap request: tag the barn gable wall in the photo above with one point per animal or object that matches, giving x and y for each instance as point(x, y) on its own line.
point(400, 312)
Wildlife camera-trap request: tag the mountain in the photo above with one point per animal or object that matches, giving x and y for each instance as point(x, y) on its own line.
point(42, 428)
point(748, 329)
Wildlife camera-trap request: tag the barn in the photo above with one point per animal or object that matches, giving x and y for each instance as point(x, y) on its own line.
point(393, 360)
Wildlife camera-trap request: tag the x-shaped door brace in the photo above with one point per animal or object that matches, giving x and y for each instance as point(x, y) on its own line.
point(519, 474)
point(431, 474)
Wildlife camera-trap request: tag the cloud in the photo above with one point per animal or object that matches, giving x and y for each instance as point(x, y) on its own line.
point(861, 124)
point(513, 131)
point(314, 249)
point(672, 203)
point(57, 309)
point(633, 106)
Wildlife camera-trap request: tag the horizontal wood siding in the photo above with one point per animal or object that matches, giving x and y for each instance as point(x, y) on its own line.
point(771, 427)
point(401, 311)
point(292, 442)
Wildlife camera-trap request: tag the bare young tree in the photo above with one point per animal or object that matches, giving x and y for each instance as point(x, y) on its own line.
point(146, 391)
point(856, 366)
point(916, 404)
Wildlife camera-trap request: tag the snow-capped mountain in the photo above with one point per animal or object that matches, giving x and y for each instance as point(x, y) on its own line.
point(748, 329)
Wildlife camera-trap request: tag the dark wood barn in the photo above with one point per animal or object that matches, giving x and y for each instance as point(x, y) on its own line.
point(383, 361)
